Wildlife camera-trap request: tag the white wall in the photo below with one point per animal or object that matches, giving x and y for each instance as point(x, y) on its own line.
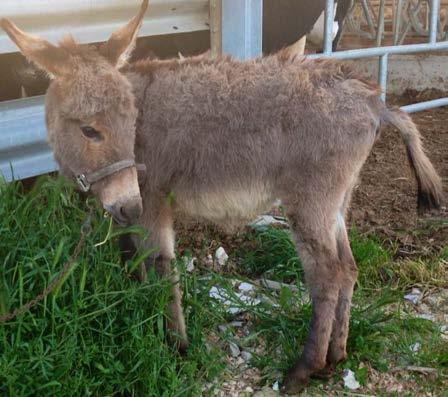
point(417, 72)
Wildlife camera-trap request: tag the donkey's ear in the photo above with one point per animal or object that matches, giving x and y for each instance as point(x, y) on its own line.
point(121, 43)
point(54, 60)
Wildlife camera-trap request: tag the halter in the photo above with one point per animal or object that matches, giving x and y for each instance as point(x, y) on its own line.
point(85, 181)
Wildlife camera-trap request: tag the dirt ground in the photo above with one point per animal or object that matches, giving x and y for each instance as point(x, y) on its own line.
point(385, 199)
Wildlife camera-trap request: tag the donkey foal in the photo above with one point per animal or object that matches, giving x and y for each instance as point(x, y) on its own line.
point(221, 139)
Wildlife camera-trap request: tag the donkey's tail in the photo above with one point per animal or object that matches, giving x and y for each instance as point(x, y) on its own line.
point(430, 192)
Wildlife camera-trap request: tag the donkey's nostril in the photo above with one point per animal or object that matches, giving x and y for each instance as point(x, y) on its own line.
point(123, 212)
point(132, 211)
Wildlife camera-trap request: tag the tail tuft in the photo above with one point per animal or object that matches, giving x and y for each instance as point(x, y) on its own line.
point(430, 192)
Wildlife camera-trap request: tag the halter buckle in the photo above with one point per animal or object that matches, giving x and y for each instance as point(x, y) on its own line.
point(83, 184)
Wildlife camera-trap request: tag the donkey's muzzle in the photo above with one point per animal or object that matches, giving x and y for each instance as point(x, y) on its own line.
point(126, 213)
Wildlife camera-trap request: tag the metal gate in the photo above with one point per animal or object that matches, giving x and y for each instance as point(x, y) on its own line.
point(246, 17)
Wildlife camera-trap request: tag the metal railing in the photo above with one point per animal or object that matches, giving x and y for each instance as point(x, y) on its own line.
point(383, 53)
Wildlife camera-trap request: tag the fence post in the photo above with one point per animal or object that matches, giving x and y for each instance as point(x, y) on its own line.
point(434, 16)
point(328, 27)
point(382, 75)
point(242, 28)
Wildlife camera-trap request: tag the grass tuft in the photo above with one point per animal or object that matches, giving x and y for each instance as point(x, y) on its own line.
point(100, 332)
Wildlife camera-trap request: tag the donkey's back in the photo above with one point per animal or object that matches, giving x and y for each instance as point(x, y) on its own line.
point(227, 137)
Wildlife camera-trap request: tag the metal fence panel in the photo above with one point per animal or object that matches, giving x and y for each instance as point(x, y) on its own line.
point(24, 151)
point(91, 21)
point(242, 28)
point(384, 52)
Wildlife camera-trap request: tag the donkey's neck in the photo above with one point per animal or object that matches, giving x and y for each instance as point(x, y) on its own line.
point(140, 84)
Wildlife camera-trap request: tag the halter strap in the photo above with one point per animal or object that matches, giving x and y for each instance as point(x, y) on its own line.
point(85, 181)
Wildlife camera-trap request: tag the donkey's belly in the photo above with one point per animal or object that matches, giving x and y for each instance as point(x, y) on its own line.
point(227, 207)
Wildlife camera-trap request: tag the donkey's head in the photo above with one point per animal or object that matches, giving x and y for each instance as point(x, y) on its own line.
point(90, 113)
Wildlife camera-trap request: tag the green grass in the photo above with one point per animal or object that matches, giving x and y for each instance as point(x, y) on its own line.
point(102, 333)
point(381, 329)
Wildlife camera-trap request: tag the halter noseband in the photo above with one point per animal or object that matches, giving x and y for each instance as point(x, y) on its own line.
point(85, 181)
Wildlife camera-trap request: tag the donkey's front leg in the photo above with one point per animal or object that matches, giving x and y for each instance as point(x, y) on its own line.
point(318, 252)
point(158, 220)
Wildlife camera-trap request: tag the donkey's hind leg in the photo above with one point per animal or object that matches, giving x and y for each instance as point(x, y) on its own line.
point(317, 248)
point(337, 350)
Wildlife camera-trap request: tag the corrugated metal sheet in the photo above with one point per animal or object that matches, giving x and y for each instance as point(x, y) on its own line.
point(24, 151)
point(94, 20)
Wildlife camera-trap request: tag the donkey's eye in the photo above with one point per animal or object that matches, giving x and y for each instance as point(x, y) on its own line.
point(91, 133)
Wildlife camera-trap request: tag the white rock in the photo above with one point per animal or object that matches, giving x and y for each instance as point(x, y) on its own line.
point(190, 265)
point(218, 293)
point(245, 287)
point(248, 389)
point(415, 347)
point(264, 221)
point(276, 386)
point(234, 349)
point(426, 316)
point(277, 286)
point(415, 296)
point(221, 256)
point(249, 300)
point(246, 356)
point(224, 327)
point(349, 380)
point(221, 295)
point(444, 332)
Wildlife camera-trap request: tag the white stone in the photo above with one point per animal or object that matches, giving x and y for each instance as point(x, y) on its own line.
point(221, 256)
point(221, 295)
point(276, 386)
point(245, 287)
point(246, 356)
point(415, 347)
point(349, 380)
point(234, 349)
point(426, 316)
point(415, 296)
point(190, 265)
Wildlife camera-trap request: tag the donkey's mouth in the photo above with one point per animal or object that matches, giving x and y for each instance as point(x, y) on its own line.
point(116, 216)
point(125, 214)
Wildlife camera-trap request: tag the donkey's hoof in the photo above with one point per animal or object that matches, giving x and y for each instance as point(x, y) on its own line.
point(293, 385)
point(179, 343)
point(182, 346)
point(295, 381)
point(325, 373)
